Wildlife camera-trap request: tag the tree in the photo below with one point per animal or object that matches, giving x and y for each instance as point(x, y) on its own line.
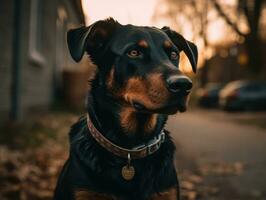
point(252, 11)
point(247, 12)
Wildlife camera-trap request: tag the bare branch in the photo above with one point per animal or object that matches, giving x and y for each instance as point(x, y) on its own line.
point(256, 16)
point(226, 18)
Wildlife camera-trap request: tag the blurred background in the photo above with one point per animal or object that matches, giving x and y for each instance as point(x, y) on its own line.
point(221, 139)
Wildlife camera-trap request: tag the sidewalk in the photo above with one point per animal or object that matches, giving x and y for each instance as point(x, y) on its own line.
point(226, 157)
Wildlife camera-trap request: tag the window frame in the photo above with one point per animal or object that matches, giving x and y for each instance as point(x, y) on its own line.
point(35, 41)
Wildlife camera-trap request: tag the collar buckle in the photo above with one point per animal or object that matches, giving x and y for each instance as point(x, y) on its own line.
point(153, 147)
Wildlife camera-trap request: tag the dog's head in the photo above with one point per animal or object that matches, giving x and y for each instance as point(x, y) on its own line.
point(137, 65)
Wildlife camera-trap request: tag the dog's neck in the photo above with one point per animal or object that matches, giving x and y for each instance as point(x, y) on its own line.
point(122, 124)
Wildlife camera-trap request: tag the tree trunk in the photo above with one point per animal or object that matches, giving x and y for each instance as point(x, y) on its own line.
point(253, 46)
point(253, 42)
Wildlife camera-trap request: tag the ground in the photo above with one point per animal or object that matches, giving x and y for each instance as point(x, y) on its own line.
point(32, 154)
point(219, 155)
point(226, 155)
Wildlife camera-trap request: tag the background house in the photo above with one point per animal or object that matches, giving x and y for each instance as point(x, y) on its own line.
point(34, 54)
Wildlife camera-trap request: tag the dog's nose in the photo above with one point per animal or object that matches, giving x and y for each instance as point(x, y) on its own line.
point(179, 84)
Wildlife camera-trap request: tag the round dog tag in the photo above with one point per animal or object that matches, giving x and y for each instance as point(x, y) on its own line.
point(128, 172)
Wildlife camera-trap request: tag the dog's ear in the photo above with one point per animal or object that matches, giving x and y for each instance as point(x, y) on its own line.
point(91, 39)
point(188, 47)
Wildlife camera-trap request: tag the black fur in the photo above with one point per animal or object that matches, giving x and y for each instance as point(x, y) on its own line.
point(91, 167)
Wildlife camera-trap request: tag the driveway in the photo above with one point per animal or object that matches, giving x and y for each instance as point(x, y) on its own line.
point(225, 153)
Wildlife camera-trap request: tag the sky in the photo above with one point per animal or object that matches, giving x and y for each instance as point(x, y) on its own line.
point(138, 12)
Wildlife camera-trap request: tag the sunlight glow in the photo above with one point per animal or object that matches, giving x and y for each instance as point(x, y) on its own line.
point(138, 12)
point(152, 13)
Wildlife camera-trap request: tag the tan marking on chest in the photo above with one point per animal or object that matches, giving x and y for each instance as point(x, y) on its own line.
point(130, 123)
point(170, 194)
point(90, 195)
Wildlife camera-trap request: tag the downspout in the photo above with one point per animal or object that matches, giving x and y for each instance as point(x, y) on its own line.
point(15, 112)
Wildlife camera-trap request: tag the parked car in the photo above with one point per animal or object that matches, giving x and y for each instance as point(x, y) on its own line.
point(243, 95)
point(209, 95)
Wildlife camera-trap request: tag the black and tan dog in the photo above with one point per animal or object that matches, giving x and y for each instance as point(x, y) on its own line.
point(120, 150)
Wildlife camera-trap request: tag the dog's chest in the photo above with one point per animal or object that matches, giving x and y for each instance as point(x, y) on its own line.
point(169, 194)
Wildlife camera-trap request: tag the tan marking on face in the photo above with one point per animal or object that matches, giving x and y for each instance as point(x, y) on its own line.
point(157, 91)
point(150, 123)
point(143, 44)
point(92, 71)
point(90, 195)
point(151, 92)
point(167, 44)
point(170, 194)
point(111, 85)
point(128, 119)
point(110, 79)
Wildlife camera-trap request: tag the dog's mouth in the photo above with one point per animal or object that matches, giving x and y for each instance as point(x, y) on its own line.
point(169, 109)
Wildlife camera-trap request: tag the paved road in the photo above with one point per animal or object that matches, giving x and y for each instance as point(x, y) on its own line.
point(209, 137)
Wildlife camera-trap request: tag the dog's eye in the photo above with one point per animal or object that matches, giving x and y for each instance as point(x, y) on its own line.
point(173, 55)
point(134, 53)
